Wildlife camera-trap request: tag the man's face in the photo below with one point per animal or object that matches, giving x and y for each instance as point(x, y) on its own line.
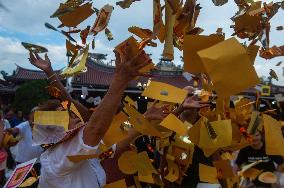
point(256, 139)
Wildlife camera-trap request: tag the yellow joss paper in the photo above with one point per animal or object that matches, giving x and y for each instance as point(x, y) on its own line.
point(144, 165)
point(80, 67)
point(223, 129)
point(207, 174)
point(146, 178)
point(158, 25)
point(115, 134)
point(133, 51)
point(164, 92)
point(194, 131)
point(74, 18)
point(56, 118)
point(225, 168)
point(168, 52)
point(252, 52)
point(172, 123)
point(194, 43)
point(226, 63)
point(29, 182)
point(274, 140)
point(130, 101)
point(127, 162)
point(140, 123)
point(173, 169)
point(117, 184)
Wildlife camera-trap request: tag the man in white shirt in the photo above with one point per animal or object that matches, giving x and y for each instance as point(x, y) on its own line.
point(57, 170)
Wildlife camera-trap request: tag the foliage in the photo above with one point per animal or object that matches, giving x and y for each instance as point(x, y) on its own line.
point(30, 95)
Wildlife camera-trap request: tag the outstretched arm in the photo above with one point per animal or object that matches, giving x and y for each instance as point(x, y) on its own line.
point(126, 70)
point(54, 79)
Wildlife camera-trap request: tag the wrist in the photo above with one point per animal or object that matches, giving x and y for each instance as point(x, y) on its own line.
point(49, 71)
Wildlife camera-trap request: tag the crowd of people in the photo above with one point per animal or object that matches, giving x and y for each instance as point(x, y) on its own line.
point(56, 170)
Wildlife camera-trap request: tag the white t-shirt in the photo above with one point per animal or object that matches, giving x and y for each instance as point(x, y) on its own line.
point(25, 150)
point(58, 171)
point(6, 124)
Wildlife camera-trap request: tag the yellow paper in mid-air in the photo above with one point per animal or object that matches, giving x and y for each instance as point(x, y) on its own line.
point(274, 141)
point(173, 169)
point(164, 92)
point(74, 18)
point(80, 66)
point(252, 52)
point(130, 101)
point(133, 51)
point(115, 134)
point(158, 25)
point(127, 162)
point(194, 131)
point(117, 184)
point(226, 63)
point(194, 43)
point(140, 123)
point(207, 173)
point(144, 165)
point(172, 123)
point(56, 118)
point(225, 168)
point(223, 129)
point(146, 178)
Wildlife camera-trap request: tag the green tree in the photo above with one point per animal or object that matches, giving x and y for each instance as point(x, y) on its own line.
point(30, 95)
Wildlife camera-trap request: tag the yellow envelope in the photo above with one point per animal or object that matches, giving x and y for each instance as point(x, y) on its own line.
point(164, 92)
point(224, 167)
point(191, 45)
point(172, 123)
point(115, 134)
point(226, 63)
point(117, 184)
point(274, 141)
point(207, 173)
point(74, 18)
point(57, 118)
point(223, 129)
point(140, 123)
point(173, 169)
point(80, 67)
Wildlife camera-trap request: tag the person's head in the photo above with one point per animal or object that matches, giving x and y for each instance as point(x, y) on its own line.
point(257, 139)
point(55, 105)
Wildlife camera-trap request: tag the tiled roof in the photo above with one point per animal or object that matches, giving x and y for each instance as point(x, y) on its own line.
point(28, 74)
point(101, 75)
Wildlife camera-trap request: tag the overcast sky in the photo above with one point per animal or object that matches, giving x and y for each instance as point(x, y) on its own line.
point(24, 22)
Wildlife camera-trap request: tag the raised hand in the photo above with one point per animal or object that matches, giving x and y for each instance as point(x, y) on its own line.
point(128, 68)
point(37, 61)
point(155, 113)
point(193, 103)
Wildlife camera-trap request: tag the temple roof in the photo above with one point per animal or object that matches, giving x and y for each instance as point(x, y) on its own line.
point(100, 74)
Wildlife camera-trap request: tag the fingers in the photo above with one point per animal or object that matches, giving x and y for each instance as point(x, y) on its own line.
point(37, 56)
point(46, 58)
point(32, 57)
